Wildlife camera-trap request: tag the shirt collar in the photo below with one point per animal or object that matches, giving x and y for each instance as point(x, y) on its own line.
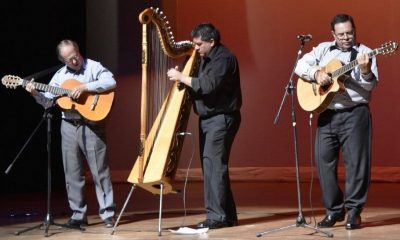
point(335, 47)
point(212, 52)
point(81, 70)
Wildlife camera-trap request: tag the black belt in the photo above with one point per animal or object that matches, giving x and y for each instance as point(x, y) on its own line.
point(79, 122)
point(346, 109)
point(75, 122)
point(234, 113)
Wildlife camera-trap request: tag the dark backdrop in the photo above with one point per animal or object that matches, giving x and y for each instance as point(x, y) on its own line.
point(30, 32)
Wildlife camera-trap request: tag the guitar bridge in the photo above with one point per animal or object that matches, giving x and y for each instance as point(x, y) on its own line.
point(314, 88)
point(94, 103)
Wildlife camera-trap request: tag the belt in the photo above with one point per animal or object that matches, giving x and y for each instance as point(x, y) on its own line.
point(234, 113)
point(347, 109)
point(75, 122)
point(79, 122)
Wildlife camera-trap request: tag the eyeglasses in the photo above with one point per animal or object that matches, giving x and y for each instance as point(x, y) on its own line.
point(70, 59)
point(343, 35)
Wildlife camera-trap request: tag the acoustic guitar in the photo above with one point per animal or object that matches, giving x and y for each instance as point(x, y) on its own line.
point(315, 98)
point(92, 106)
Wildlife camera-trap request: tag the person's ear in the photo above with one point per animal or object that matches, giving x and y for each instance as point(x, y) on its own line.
point(212, 42)
point(333, 34)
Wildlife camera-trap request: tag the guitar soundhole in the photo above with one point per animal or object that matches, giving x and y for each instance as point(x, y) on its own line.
point(324, 89)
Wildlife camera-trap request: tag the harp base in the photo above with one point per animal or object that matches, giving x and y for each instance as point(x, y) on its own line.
point(161, 188)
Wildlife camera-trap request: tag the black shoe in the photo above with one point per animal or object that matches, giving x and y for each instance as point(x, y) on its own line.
point(232, 223)
point(212, 224)
point(109, 222)
point(353, 221)
point(73, 223)
point(331, 219)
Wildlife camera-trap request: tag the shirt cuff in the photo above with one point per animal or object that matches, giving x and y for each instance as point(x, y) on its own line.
point(312, 74)
point(91, 86)
point(367, 77)
point(195, 84)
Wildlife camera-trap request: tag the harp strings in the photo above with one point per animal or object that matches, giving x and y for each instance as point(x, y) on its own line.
point(158, 83)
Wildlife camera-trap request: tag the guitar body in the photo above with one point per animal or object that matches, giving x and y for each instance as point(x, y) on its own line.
point(315, 98)
point(92, 106)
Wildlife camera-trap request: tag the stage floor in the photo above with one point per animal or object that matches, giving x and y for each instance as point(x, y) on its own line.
point(261, 207)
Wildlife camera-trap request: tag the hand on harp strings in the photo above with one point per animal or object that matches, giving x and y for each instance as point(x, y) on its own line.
point(174, 74)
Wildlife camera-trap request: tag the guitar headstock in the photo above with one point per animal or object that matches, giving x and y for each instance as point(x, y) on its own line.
point(11, 81)
point(388, 48)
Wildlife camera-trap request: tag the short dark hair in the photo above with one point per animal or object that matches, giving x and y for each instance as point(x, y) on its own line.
point(206, 31)
point(341, 18)
point(66, 42)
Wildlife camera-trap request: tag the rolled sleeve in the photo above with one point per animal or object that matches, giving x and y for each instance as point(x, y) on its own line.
point(195, 84)
point(104, 80)
point(369, 81)
point(305, 70)
point(307, 66)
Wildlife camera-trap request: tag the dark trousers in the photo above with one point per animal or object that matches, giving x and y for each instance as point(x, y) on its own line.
point(350, 132)
point(216, 137)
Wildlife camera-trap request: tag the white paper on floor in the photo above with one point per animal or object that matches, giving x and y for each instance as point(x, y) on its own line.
point(187, 230)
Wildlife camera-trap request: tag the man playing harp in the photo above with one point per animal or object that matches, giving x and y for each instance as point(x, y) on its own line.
point(217, 100)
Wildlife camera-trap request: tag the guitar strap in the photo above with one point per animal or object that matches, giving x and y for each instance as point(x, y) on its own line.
point(353, 57)
point(353, 54)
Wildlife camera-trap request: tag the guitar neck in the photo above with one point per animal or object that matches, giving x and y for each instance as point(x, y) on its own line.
point(47, 88)
point(340, 71)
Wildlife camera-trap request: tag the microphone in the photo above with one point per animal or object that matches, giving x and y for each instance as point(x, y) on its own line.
point(305, 38)
point(183, 133)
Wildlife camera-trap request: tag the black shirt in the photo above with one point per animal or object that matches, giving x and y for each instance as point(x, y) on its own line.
point(216, 89)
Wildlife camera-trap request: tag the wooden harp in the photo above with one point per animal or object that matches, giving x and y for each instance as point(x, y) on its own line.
point(165, 105)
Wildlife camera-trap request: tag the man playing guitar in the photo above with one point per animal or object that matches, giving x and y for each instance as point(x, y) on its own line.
point(346, 123)
point(81, 138)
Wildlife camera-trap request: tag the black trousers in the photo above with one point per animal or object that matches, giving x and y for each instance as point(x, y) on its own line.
point(350, 132)
point(216, 137)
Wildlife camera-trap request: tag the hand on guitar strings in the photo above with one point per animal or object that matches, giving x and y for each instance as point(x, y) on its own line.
point(363, 63)
point(322, 78)
point(30, 87)
point(77, 91)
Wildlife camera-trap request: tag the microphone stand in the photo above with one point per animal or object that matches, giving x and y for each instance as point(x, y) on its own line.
point(48, 221)
point(46, 111)
point(289, 89)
